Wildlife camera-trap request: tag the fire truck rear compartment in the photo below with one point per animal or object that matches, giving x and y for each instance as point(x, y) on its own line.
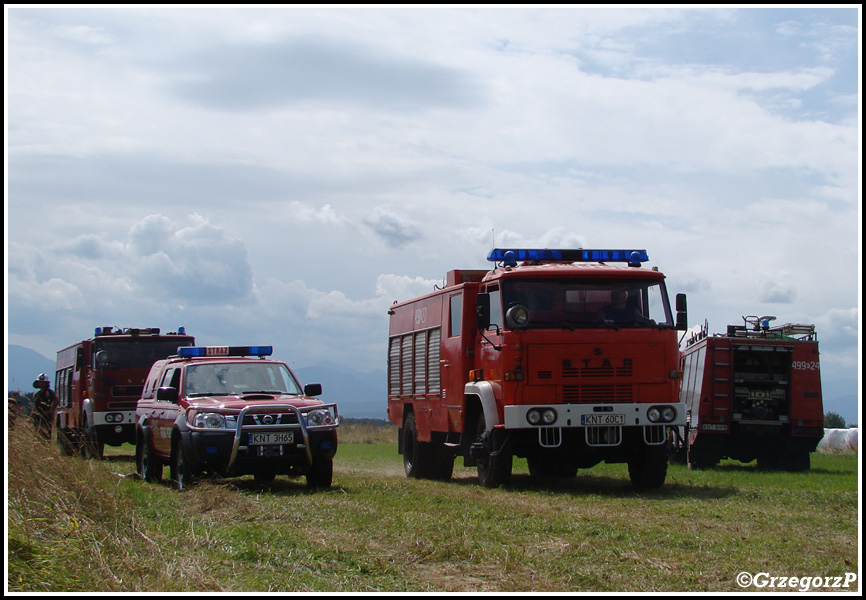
point(761, 384)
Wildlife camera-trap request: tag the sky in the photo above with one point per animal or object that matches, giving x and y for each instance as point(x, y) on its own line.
point(281, 175)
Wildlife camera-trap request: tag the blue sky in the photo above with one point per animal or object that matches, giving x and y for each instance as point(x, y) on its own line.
point(281, 175)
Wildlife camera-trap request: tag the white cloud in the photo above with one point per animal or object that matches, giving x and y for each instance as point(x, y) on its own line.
point(343, 158)
point(395, 230)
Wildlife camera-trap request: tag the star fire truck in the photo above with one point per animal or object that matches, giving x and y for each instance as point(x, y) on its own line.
point(98, 382)
point(557, 356)
point(751, 393)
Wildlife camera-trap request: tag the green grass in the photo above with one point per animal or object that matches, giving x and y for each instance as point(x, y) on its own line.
point(82, 526)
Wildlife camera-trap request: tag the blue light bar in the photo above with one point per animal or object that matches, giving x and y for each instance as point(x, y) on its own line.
point(202, 351)
point(575, 255)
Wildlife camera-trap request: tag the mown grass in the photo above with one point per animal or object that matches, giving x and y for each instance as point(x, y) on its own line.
point(75, 525)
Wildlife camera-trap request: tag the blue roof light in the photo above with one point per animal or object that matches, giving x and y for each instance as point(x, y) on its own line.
point(200, 351)
point(569, 255)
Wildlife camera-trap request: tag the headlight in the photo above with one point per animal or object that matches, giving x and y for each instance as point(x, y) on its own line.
point(541, 416)
point(209, 421)
point(661, 414)
point(517, 316)
point(668, 414)
point(319, 416)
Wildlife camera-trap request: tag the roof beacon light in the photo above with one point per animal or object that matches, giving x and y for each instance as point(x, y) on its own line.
point(511, 255)
point(202, 351)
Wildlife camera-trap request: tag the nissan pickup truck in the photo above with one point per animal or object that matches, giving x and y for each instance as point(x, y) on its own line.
point(231, 411)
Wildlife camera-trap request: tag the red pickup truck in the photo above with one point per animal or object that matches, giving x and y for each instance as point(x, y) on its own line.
point(230, 411)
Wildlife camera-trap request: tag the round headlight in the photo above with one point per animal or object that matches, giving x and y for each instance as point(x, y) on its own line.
point(320, 416)
point(517, 316)
point(210, 421)
point(548, 416)
point(654, 415)
point(533, 417)
point(668, 414)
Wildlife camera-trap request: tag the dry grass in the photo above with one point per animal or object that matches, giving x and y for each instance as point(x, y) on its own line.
point(77, 525)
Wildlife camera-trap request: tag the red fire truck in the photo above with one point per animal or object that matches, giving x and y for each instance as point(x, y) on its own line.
point(98, 382)
point(752, 393)
point(554, 355)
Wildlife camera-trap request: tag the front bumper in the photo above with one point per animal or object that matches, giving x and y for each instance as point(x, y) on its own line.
point(593, 415)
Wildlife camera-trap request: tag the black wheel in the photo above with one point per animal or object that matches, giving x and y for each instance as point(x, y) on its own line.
point(321, 473)
point(649, 468)
point(63, 442)
point(494, 459)
point(424, 460)
point(148, 464)
point(796, 460)
point(92, 445)
point(182, 476)
point(416, 455)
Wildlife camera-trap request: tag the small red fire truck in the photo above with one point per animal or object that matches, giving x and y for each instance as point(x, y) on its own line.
point(98, 382)
point(557, 356)
point(752, 393)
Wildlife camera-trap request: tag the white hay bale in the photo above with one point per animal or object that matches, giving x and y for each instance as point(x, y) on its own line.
point(837, 441)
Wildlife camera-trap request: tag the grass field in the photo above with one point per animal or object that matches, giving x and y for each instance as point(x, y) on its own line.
point(76, 525)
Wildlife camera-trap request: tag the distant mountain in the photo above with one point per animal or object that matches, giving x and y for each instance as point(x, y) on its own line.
point(357, 395)
point(24, 366)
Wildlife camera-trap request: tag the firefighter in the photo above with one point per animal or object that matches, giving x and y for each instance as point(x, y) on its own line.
point(621, 311)
point(44, 403)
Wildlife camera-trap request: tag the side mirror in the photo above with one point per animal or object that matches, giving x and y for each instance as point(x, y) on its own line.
point(682, 313)
point(313, 389)
point(168, 394)
point(482, 311)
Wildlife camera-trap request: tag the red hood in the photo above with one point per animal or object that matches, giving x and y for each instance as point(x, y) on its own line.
point(239, 402)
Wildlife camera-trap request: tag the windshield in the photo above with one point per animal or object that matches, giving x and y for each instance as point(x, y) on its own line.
point(221, 379)
point(554, 304)
point(139, 354)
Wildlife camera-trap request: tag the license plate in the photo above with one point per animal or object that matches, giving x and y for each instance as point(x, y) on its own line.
point(272, 438)
point(605, 419)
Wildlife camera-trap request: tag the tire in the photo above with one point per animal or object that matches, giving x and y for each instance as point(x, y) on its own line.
point(321, 473)
point(148, 464)
point(92, 444)
point(796, 461)
point(64, 443)
point(416, 455)
point(648, 469)
point(182, 476)
point(494, 467)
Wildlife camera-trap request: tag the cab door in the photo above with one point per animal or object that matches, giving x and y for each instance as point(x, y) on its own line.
point(166, 409)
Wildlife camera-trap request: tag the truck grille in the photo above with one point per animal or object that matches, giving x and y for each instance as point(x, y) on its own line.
point(275, 419)
point(607, 393)
point(126, 391)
